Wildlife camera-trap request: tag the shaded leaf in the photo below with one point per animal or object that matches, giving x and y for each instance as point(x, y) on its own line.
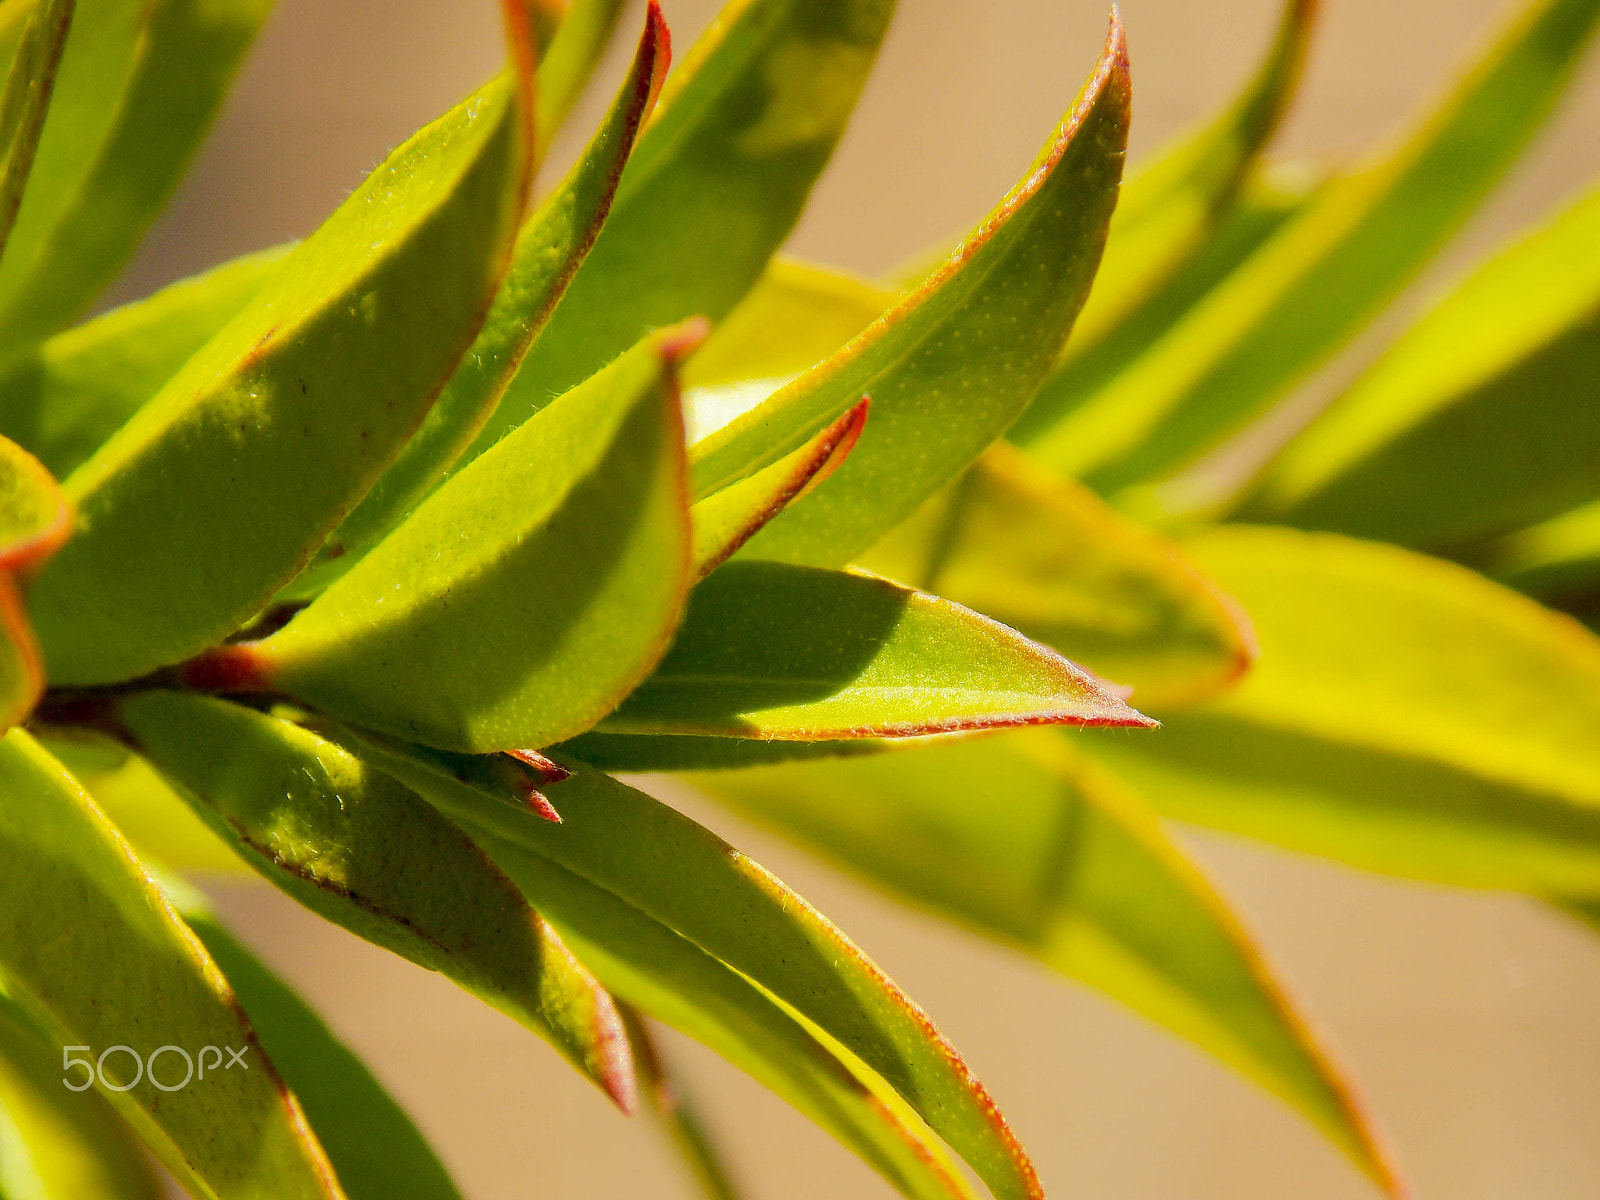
point(523, 599)
point(551, 245)
point(1478, 421)
point(1172, 204)
point(354, 846)
point(108, 932)
point(1026, 839)
point(373, 310)
point(665, 866)
point(776, 651)
point(957, 358)
point(376, 1149)
point(56, 1144)
point(71, 393)
point(666, 752)
point(138, 84)
point(1406, 715)
point(580, 40)
point(1053, 561)
point(1326, 273)
point(1557, 560)
point(726, 520)
point(26, 100)
point(745, 126)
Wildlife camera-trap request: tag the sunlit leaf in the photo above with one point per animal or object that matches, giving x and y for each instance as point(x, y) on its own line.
point(1049, 558)
point(307, 395)
point(1173, 203)
point(138, 84)
point(56, 1144)
point(1478, 421)
point(1030, 841)
point(374, 1146)
point(551, 245)
point(26, 100)
point(957, 358)
point(525, 597)
point(72, 392)
point(667, 867)
point(745, 126)
point(771, 650)
point(1406, 715)
point(108, 933)
point(1326, 273)
point(354, 846)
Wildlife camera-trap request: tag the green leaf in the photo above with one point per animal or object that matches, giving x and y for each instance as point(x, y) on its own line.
point(663, 973)
point(56, 1144)
point(307, 395)
point(524, 598)
point(376, 1149)
point(580, 40)
point(108, 963)
point(726, 520)
point(1050, 559)
point(957, 358)
point(745, 126)
point(1406, 715)
point(34, 520)
point(667, 867)
point(1171, 205)
point(72, 392)
point(26, 100)
point(551, 245)
point(771, 650)
point(676, 1112)
point(665, 752)
point(1027, 840)
point(1557, 560)
point(138, 84)
point(354, 846)
point(1478, 421)
point(1324, 275)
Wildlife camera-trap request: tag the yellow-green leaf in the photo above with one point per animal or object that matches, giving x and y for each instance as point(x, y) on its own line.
point(107, 963)
point(1030, 841)
point(307, 395)
point(1478, 421)
point(524, 598)
point(26, 100)
point(957, 358)
point(1406, 715)
point(34, 519)
point(1050, 559)
point(586, 28)
point(776, 651)
point(1557, 560)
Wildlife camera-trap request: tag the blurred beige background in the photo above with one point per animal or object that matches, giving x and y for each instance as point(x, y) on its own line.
point(1470, 1018)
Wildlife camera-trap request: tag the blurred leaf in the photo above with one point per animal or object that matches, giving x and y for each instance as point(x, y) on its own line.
point(357, 848)
point(523, 599)
point(26, 100)
point(665, 866)
point(373, 1145)
point(1325, 274)
point(1557, 560)
point(1049, 558)
point(22, 678)
point(745, 125)
point(570, 60)
point(1478, 421)
point(138, 85)
point(771, 650)
point(72, 392)
point(34, 519)
point(957, 358)
point(56, 1144)
point(373, 310)
point(1172, 204)
point(726, 520)
point(676, 1112)
point(109, 934)
point(1271, 197)
point(551, 245)
point(1406, 715)
point(1028, 840)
